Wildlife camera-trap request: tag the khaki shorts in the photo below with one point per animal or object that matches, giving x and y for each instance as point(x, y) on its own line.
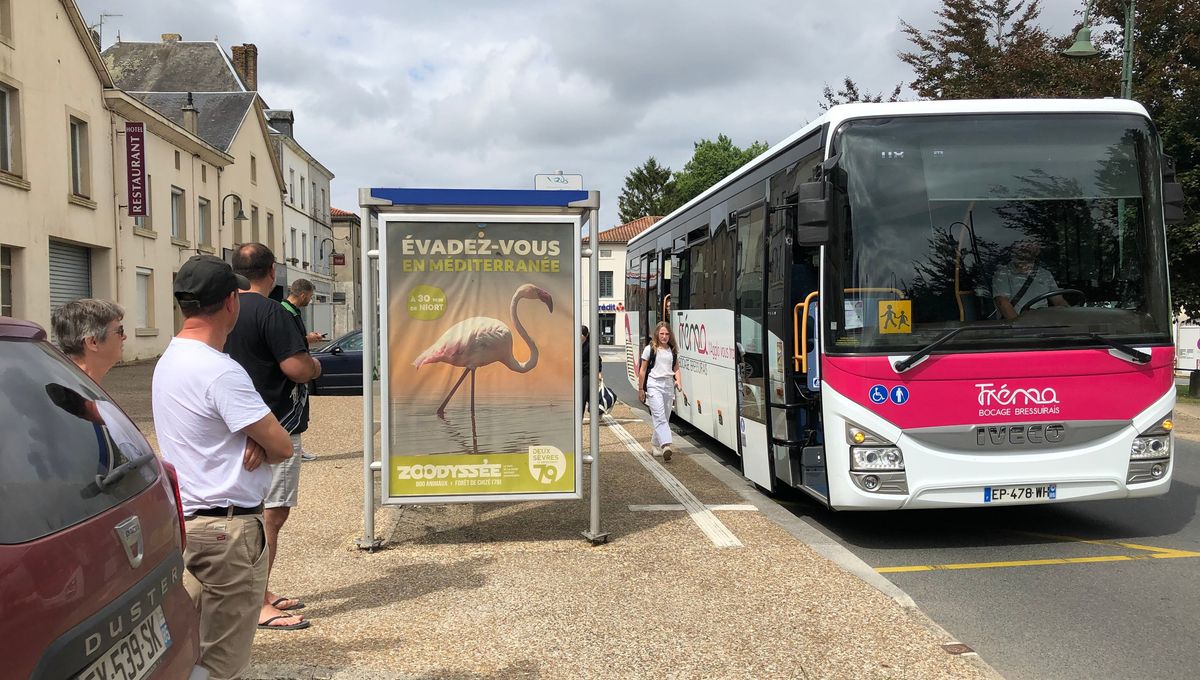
point(285, 480)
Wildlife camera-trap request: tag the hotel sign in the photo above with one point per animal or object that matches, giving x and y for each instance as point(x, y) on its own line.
point(135, 167)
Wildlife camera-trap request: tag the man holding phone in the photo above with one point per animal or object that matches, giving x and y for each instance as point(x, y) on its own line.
point(300, 294)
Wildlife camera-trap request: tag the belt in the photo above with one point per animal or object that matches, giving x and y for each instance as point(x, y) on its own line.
point(230, 511)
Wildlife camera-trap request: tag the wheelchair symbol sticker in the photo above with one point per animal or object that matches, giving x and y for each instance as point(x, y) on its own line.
point(899, 395)
point(878, 394)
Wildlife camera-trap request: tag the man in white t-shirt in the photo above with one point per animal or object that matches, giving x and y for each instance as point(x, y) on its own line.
point(1024, 280)
point(215, 429)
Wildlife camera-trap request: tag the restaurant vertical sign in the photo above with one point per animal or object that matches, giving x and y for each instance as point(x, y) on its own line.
point(135, 167)
point(482, 382)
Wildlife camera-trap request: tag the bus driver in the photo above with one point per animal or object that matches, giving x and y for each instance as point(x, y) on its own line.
point(1023, 280)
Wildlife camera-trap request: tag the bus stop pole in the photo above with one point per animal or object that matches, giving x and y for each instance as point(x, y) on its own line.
point(593, 534)
point(366, 306)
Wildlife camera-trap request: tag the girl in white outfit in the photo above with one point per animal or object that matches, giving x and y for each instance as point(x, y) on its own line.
point(657, 390)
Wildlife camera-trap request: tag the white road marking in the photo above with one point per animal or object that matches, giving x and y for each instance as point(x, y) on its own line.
point(712, 527)
point(668, 507)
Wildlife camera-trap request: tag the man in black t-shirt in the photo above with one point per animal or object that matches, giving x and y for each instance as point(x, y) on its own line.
point(299, 295)
point(267, 342)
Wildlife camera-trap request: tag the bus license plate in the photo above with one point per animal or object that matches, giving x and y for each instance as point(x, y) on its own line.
point(134, 655)
point(1016, 494)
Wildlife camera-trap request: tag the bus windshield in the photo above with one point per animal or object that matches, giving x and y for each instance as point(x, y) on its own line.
point(994, 222)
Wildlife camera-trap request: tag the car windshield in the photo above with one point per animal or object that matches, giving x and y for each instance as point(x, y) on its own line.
point(996, 220)
point(60, 433)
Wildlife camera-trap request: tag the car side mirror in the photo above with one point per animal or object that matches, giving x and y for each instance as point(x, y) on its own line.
point(813, 210)
point(336, 350)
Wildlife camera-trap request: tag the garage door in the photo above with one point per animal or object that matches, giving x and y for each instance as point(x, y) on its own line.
point(70, 273)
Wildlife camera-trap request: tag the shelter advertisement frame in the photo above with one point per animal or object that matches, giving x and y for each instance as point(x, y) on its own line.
point(466, 466)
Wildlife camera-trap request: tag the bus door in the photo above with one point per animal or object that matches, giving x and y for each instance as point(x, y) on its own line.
point(793, 370)
point(651, 270)
point(750, 341)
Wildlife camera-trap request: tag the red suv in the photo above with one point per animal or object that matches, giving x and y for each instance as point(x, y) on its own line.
point(91, 532)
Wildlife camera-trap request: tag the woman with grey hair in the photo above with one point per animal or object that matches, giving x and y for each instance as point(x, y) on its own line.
point(90, 332)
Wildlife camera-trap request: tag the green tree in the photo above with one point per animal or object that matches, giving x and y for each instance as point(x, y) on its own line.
point(1166, 80)
point(647, 192)
point(995, 49)
point(850, 93)
point(711, 162)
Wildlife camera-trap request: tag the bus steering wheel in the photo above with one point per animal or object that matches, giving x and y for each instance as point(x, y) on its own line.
point(1051, 293)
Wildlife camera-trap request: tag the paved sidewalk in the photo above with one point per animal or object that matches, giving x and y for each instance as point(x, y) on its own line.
point(513, 591)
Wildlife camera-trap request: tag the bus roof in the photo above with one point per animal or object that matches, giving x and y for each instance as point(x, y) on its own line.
point(836, 115)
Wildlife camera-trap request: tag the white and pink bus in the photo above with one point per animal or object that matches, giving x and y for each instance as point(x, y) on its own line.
point(929, 304)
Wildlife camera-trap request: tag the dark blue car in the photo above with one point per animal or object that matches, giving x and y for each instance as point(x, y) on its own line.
point(341, 366)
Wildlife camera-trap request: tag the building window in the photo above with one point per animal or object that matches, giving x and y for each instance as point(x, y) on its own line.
point(253, 169)
point(313, 197)
point(177, 163)
point(203, 172)
point(6, 24)
point(304, 250)
point(605, 252)
point(291, 186)
point(80, 161)
point(321, 211)
point(292, 244)
point(145, 222)
point(10, 139)
point(270, 230)
point(254, 224)
point(178, 214)
point(6, 281)
point(204, 226)
point(301, 191)
point(144, 311)
point(606, 284)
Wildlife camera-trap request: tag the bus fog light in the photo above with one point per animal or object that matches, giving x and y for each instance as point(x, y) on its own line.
point(876, 458)
point(1150, 447)
point(870, 482)
point(1158, 470)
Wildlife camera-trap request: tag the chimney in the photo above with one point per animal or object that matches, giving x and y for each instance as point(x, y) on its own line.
point(282, 120)
point(191, 117)
point(245, 62)
point(171, 37)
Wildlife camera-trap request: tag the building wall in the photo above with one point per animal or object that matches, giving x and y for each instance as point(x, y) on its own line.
point(258, 189)
point(348, 316)
point(307, 212)
point(150, 247)
point(611, 259)
point(46, 64)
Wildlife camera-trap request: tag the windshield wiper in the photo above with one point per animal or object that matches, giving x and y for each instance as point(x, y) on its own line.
point(1135, 354)
point(105, 481)
point(905, 364)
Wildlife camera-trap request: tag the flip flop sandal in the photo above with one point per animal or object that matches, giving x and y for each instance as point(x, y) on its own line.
point(293, 626)
point(298, 605)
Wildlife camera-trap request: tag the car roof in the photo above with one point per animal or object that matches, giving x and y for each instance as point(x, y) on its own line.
point(20, 329)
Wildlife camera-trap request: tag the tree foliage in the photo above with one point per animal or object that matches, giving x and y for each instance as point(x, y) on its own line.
point(994, 49)
point(711, 162)
point(850, 93)
point(647, 191)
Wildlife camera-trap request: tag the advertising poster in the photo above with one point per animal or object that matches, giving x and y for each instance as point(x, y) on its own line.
point(482, 344)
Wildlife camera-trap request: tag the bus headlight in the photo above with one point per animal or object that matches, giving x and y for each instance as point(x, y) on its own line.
point(1145, 448)
point(876, 458)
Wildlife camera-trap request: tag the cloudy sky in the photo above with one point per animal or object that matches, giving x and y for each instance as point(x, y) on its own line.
point(477, 93)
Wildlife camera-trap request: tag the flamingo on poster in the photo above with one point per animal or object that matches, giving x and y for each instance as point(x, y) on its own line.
point(479, 341)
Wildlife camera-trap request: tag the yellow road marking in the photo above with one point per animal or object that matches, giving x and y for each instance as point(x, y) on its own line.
point(1149, 553)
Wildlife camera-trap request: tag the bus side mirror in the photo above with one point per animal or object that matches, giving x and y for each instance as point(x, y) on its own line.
point(1173, 203)
point(814, 207)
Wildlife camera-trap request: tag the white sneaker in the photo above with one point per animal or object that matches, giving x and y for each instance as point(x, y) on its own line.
point(306, 456)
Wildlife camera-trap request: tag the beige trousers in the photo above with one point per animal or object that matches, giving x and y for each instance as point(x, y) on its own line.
point(226, 574)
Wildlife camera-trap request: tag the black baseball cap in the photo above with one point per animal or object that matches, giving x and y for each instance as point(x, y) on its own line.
point(206, 279)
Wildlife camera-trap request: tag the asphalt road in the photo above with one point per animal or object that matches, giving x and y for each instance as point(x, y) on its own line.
point(1104, 589)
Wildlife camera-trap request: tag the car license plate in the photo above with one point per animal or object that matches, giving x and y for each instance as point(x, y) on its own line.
point(1016, 494)
point(134, 655)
